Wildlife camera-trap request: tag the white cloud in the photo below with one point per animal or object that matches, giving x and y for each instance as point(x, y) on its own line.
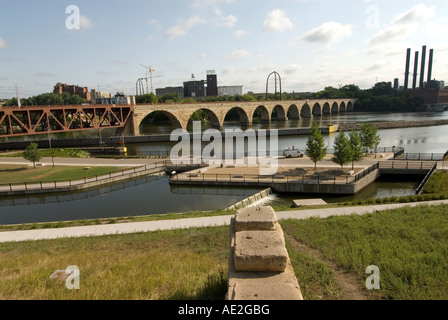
point(228, 21)
point(241, 33)
point(86, 22)
point(203, 56)
point(3, 44)
point(277, 21)
point(240, 54)
point(293, 68)
point(404, 24)
point(328, 32)
point(181, 29)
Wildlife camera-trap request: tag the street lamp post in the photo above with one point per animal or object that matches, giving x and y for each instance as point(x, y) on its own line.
point(51, 149)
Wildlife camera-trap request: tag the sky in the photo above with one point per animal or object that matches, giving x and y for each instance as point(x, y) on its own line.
point(312, 44)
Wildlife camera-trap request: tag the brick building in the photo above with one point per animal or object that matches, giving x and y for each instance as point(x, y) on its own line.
point(83, 92)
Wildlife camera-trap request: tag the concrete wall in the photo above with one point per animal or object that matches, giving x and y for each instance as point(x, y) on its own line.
point(259, 264)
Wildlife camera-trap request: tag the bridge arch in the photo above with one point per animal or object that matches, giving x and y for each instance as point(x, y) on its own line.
point(261, 112)
point(293, 112)
point(243, 117)
point(305, 112)
point(335, 108)
point(350, 107)
point(317, 110)
point(342, 107)
point(209, 116)
point(326, 108)
point(159, 117)
point(278, 113)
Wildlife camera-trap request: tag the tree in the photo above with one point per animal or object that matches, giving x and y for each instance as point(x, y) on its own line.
point(32, 153)
point(147, 98)
point(315, 146)
point(355, 147)
point(369, 136)
point(342, 150)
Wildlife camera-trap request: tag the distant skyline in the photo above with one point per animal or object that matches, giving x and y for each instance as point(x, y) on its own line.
point(312, 44)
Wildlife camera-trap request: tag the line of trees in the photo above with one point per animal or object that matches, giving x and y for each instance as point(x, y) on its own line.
point(347, 148)
point(48, 99)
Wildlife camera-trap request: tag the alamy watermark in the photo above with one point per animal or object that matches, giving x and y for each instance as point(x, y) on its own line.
point(73, 21)
point(373, 281)
point(261, 150)
point(71, 275)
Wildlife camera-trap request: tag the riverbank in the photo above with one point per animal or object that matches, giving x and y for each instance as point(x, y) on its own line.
point(394, 124)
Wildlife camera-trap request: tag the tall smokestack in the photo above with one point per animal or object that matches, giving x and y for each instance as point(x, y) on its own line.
point(422, 70)
point(406, 75)
point(431, 54)
point(414, 81)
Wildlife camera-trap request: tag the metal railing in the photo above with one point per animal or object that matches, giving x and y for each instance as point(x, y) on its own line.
point(425, 180)
point(59, 184)
point(409, 165)
point(421, 156)
point(321, 178)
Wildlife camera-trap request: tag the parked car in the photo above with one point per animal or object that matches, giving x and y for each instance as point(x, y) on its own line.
point(292, 152)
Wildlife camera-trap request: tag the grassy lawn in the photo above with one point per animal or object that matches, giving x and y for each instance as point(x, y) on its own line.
point(410, 247)
point(21, 173)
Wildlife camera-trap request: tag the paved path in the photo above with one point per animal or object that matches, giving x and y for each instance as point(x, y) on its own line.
point(149, 226)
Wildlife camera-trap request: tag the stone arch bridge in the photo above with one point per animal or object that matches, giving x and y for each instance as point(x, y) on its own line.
point(180, 114)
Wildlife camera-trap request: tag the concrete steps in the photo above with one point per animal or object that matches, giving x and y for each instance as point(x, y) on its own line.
point(259, 264)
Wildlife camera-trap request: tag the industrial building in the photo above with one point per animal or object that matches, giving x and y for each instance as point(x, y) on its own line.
point(432, 91)
point(83, 92)
point(170, 90)
point(230, 90)
point(202, 88)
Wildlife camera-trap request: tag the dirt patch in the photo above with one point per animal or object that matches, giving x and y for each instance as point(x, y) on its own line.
point(352, 286)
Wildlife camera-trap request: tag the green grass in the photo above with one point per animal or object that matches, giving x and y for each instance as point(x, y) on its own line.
point(181, 264)
point(409, 245)
point(21, 173)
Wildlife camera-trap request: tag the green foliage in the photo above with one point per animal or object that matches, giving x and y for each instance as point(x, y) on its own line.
point(437, 184)
point(315, 146)
point(49, 99)
point(356, 147)
point(369, 136)
point(32, 153)
point(147, 98)
point(342, 150)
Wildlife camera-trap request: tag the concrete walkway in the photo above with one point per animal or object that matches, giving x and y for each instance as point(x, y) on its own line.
point(149, 226)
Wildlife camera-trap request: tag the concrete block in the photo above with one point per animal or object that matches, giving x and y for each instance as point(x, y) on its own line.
point(309, 202)
point(260, 251)
point(255, 218)
point(263, 291)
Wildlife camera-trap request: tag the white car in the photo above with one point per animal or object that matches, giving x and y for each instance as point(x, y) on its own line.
point(292, 153)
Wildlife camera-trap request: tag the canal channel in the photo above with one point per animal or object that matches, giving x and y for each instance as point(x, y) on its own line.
point(154, 195)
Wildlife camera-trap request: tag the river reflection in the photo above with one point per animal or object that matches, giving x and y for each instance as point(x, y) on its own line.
point(143, 196)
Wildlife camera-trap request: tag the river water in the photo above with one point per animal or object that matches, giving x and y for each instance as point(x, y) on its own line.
point(154, 195)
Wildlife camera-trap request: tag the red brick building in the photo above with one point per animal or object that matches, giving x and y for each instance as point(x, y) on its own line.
point(431, 96)
point(83, 92)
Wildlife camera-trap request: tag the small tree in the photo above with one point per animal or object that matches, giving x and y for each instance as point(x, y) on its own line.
point(315, 146)
point(32, 153)
point(342, 150)
point(369, 136)
point(356, 147)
